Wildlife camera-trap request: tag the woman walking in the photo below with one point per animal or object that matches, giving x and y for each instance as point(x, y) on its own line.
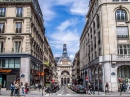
point(16, 88)
point(23, 89)
point(12, 87)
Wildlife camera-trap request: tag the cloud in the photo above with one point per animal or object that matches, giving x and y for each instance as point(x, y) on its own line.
point(47, 9)
point(79, 7)
point(76, 7)
point(67, 24)
point(70, 36)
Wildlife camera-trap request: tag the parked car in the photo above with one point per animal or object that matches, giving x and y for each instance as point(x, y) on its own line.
point(80, 89)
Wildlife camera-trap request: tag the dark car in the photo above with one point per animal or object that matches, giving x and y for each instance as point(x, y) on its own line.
point(80, 89)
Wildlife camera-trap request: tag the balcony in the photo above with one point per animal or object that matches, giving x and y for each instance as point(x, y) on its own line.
point(19, 15)
point(123, 56)
point(122, 36)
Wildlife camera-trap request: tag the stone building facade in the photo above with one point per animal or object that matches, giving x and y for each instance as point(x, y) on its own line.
point(50, 70)
point(105, 43)
point(64, 67)
point(76, 79)
point(21, 42)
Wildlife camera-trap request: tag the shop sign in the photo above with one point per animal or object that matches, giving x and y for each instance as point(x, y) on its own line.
point(113, 73)
point(5, 71)
point(22, 75)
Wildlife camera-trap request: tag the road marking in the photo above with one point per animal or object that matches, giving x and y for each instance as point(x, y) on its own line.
point(59, 94)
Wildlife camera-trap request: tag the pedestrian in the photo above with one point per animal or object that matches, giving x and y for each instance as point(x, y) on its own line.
point(26, 88)
point(0, 87)
point(16, 88)
point(22, 89)
point(107, 88)
point(128, 87)
point(89, 88)
point(124, 87)
point(92, 88)
point(39, 86)
point(12, 88)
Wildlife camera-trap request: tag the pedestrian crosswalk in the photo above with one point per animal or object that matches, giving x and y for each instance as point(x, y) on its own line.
point(65, 94)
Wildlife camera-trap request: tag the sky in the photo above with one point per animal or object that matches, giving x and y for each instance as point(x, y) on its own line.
point(64, 21)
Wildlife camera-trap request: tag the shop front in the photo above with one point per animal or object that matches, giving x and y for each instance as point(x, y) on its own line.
point(7, 76)
point(9, 71)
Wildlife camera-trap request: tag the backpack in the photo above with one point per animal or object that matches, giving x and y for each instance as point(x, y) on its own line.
point(12, 87)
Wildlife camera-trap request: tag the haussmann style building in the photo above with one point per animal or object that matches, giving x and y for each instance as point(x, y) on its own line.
point(21, 42)
point(105, 44)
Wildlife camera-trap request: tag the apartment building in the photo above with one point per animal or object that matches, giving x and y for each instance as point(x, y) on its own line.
point(50, 70)
point(76, 70)
point(21, 42)
point(105, 44)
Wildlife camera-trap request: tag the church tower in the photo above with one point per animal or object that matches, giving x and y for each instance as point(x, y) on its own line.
point(64, 54)
point(64, 67)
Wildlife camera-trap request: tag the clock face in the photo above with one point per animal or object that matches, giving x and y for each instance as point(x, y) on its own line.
point(64, 51)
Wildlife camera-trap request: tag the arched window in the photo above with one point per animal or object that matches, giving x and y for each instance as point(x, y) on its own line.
point(121, 15)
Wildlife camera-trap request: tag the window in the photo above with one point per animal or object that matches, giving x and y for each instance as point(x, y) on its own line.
point(11, 63)
point(17, 46)
point(99, 52)
point(19, 12)
point(2, 27)
point(115, 0)
point(17, 63)
point(98, 37)
point(1, 46)
point(2, 12)
point(98, 22)
point(123, 49)
point(124, 0)
point(121, 15)
point(122, 32)
point(18, 27)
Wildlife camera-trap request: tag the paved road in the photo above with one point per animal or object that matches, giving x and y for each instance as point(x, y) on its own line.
point(65, 92)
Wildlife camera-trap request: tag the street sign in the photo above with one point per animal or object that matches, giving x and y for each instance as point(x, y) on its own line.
point(86, 78)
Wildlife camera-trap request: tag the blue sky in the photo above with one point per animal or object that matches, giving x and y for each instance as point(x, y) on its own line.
point(64, 21)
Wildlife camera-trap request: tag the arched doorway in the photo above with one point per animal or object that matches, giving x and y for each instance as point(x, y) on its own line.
point(123, 72)
point(65, 79)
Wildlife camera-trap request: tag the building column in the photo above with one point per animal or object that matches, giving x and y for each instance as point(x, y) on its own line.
point(25, 70)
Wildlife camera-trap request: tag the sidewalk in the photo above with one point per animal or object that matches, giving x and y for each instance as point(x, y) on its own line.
point(32, 93)
point(112, 94)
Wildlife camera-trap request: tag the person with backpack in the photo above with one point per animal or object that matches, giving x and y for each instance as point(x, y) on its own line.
point(12, 88)
point(124, 87)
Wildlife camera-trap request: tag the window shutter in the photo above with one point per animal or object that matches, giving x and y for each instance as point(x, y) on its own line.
point(122, 30)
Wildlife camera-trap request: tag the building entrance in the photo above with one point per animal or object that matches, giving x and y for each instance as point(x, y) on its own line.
point(3, 80)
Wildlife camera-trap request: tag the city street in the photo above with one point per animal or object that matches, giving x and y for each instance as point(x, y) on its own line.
point(64, 91)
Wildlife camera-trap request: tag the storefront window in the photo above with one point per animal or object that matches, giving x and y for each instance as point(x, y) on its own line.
point(6, 63)
point(0, 64)
point(11, 63)
point(17, 63)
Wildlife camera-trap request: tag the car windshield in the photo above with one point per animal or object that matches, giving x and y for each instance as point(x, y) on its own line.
point(80, 86)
